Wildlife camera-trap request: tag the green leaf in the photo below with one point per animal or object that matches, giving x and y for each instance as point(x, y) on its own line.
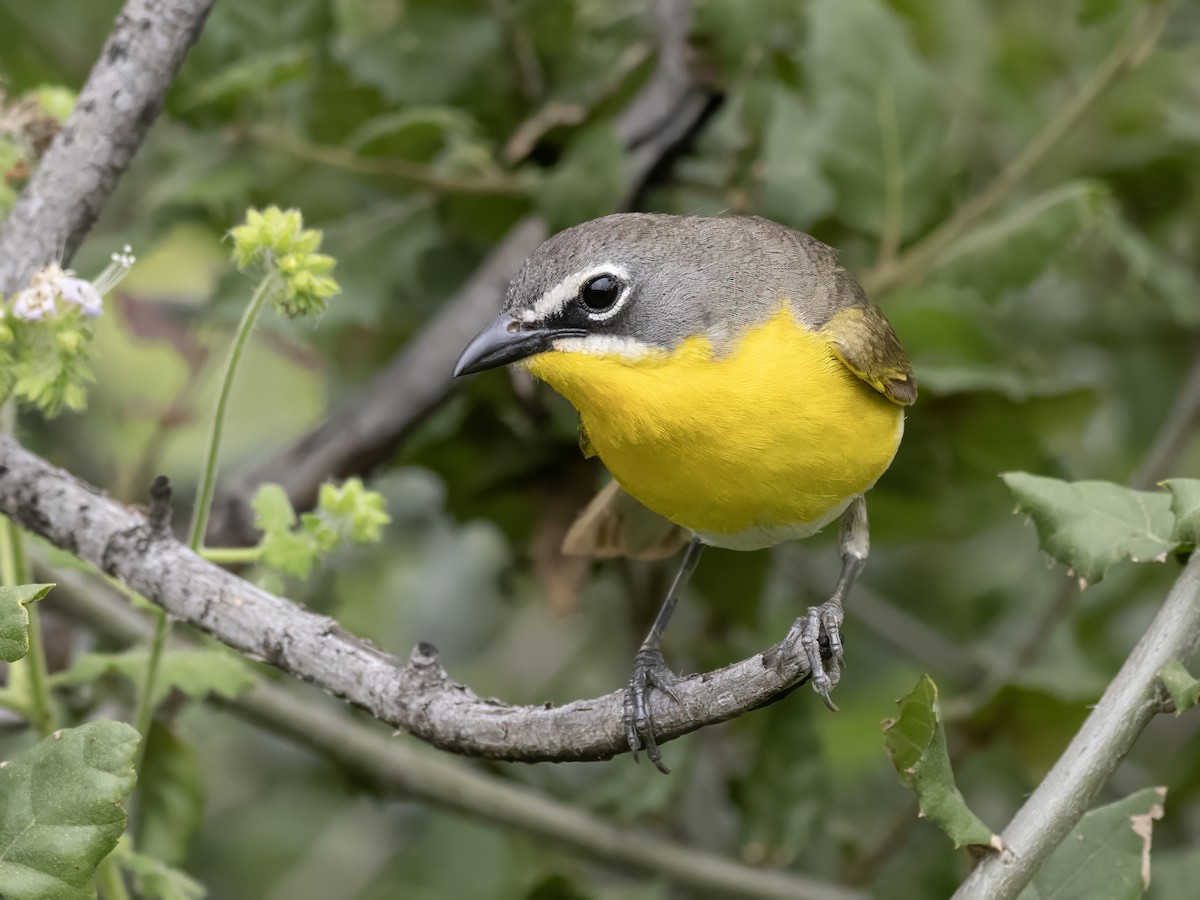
point(793, 190)
point(265, 70)
point(14, 618)
point(962, 343)
point(880, 115)
point(349, 512)
point(1090, 525)
point(291, 552)
point(916, 744)
point(272, 508)
point(1106, 856)
point(61, 812)
point(196, 673)
point(1155, 272)
point(1185, 505)
point(784, 798)
point(415, 132)
point(352, 512)
point(171, 797)
point(283, 547)
point(1183, 688)
point(155, 880)
point(1092, 11)
point(739, 31)
point(457, 50)
point(1011, 251)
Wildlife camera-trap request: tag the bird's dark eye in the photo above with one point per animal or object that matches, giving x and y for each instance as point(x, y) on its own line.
point(600, 293)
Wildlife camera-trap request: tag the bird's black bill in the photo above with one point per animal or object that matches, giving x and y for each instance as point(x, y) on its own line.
point(507, 341)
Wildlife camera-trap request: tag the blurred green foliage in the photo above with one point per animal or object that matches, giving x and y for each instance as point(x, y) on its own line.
point(1051, 337)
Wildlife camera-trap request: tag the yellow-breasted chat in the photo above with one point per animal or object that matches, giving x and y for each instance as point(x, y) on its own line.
point(733, 377)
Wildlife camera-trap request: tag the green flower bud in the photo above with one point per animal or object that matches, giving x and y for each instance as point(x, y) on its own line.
point(55, 100)
point(274, 239)
point(70, 341)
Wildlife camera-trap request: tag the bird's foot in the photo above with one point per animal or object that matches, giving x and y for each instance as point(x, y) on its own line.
point(820, 636)
point(649, 671)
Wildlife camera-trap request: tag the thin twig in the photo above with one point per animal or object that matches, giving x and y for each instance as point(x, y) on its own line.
point(1173, 435)
point(13, 571)
point(1132, 699)
point(520, 50)
point(905, 631)
point(498, 182)
point(109, 880)
point(893, 838)
point(1129, 52)
point(893, 171)
point(396, 768)
point(212, 451)
point(886, 620)
point(159, 522)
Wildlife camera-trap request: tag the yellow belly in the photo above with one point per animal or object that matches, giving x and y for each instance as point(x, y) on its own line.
point(766, 442)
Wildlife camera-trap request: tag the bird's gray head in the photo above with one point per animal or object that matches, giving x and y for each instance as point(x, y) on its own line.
point(633, 282)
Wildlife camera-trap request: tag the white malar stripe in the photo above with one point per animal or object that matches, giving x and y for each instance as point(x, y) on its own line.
point(557, 298)
point(607, 345)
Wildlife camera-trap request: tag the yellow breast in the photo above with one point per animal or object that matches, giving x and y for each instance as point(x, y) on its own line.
point(765, 442)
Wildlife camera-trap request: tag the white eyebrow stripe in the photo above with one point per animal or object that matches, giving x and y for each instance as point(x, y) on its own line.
point(557, 298)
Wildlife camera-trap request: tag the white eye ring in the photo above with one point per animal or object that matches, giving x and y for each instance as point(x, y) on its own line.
point(618, 274)
point(599, 314)
point(568, 290)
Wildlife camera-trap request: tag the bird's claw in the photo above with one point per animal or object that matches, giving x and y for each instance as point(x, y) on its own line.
point(820, 636)
point(649, 671)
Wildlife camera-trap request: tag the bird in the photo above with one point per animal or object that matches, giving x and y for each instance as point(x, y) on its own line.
point(733, 377)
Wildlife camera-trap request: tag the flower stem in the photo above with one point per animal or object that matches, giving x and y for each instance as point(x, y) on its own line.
point(145, 708)
point(208, 472)
point(15, 702)
point(109, 880)
point(225, 556)
point(204, 496)
point(13, 572)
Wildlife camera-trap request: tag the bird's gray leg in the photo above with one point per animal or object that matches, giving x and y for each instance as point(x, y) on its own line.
point(825, 621)
point(650, 669)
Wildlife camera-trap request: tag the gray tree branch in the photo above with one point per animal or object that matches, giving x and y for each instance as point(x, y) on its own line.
point(1132, 699)
point(122, 97)
point(416, 695)
point(395, 768)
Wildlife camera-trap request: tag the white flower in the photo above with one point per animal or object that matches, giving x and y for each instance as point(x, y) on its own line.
point(37, 301)
point(117, 269)
point(81, 293)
